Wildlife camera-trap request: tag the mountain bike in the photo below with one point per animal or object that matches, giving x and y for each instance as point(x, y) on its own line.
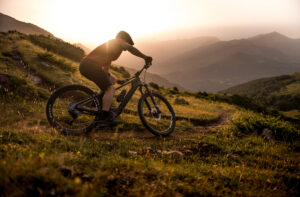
point(75, 109)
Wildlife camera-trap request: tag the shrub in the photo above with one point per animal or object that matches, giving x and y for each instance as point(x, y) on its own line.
point(154, 85)
point(58, 46)
point(17, 87)
point(121, 70)
point(282, 130)
point(61, 63)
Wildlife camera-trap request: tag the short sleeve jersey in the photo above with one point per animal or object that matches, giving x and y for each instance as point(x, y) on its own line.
point(106, 53)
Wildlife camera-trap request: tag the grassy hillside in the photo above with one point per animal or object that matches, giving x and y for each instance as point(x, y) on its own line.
point(217, 149)
point(282, 92)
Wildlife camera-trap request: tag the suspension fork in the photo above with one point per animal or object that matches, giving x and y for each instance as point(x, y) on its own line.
point(152, 99)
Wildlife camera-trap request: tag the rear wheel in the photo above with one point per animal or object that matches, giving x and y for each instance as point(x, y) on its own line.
point(159, 121)
point(64, 109)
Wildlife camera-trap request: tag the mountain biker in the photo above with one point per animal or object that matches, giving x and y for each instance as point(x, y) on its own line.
point(95, 67)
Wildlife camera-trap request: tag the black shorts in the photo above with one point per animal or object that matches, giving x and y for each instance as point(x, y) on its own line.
point(93, 71)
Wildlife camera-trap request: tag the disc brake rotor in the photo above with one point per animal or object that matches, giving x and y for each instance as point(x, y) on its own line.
point(155, 114)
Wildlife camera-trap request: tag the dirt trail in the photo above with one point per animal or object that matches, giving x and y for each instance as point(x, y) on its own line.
point(145, 134)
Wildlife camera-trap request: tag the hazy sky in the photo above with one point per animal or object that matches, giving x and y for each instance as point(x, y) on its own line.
point(97, 20)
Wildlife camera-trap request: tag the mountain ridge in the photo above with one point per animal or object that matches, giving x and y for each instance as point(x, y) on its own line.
point(202, 61)
point(9, 23)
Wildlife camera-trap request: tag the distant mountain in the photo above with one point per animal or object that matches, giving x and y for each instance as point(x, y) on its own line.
point(8, 23)
point(282, 92)
point(163, 50)
point(280, 42)
point(227, 63)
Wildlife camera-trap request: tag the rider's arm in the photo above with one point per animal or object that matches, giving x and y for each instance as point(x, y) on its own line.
point(133, 50)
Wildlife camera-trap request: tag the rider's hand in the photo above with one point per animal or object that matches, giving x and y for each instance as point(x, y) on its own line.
point(148, 61)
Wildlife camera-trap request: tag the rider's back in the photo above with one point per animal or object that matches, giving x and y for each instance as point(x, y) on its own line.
point(106, 53)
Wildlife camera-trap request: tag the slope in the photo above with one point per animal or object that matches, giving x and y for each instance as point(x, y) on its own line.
point(8, 23)
point(282, 92)
point(219, 156)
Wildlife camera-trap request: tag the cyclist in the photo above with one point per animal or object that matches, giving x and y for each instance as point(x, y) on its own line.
point(95, 67)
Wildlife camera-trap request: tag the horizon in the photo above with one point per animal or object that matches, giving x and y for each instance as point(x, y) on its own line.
point(73, 21)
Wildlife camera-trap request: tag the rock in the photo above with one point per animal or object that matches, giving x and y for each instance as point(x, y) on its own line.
point(268, 134)
point(150, 150)
point(181, 101)
point(188, 151)
point(133, 153)
point(35, 79)
point(46, 65)
point(173, 153)
point(5, 82)
point(87, 177)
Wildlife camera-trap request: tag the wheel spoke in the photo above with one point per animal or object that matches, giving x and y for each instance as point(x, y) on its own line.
point(66, 116)
point(158, 119)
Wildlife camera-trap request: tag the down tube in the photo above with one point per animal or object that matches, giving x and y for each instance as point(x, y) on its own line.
point(126, 99)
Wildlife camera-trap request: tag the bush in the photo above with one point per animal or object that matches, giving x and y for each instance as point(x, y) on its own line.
point(241, 101)
point(282, 130)
point(58, 46)
point(17, 87)
point(154, 85)
point(61, 63)
point(121, 70)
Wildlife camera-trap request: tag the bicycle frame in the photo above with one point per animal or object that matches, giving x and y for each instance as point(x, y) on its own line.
point(135, 84)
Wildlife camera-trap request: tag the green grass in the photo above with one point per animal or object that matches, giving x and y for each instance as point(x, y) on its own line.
point(257, 123)
point(281, 92)
point(220, 157)
point(37, 160)
point(45, 163)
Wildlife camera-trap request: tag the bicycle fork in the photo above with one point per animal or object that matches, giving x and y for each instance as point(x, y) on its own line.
point(152, 99)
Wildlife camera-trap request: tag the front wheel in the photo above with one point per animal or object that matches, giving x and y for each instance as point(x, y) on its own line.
point(160, 119)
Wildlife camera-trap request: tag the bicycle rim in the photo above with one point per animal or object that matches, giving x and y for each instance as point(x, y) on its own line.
point(65, 114)
point(162, 123)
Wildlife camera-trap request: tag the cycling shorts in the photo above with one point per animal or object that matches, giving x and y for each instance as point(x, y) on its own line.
point(94, 72)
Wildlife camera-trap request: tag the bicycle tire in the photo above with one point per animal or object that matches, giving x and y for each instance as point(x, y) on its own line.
point(51, 102)
point(147, 124)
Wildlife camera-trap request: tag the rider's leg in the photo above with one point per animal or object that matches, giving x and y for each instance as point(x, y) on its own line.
point(108, 98)
point(112, 79)
point(106, 115)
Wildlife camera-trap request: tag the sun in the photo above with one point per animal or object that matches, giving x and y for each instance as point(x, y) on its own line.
point(98, 21)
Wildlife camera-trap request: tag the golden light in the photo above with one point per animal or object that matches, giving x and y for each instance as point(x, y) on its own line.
point(98, 21)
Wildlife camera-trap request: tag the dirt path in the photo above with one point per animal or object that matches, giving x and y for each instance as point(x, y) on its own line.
point(103, 135)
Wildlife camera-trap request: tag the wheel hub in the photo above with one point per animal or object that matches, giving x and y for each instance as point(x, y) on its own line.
point(155, 114)
point(73, 111)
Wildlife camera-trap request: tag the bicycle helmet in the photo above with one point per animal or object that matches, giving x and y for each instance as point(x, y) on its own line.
point(125, 36)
